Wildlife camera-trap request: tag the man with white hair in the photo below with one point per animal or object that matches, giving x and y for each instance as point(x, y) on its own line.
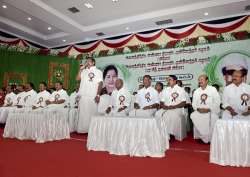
point(172, 109)
point(236, 98)
point(147, 100)
point(120, 100)
point(206, 105)
point(231, 63)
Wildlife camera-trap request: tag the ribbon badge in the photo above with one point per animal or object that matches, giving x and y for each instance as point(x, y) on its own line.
point(244, 97)
point(91, 76)
point(77, 100)
point(40, 100)
point(18, 99)
point(147, 96)
point(121, 99)
point(9, 100)
point(57, 96)
point(174, 96)
point(203, 98)
point(26, 98)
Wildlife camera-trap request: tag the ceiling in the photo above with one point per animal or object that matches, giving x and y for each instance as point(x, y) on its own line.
point(53, 25)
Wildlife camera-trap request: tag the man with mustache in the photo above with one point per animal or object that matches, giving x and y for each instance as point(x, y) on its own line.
point(172, 106)
point(236, 98)
point(206, 105)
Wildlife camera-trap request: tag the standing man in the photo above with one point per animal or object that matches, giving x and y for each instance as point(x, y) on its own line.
point(90, 89)
point(236, 98)
point(172, 109)
point(147, 100)
point(120, 100)
point(206, 105)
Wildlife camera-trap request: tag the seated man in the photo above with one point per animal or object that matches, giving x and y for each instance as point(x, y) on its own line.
point(120, 100)
point(18, 102)
point(41, 97)
point(147, 100)
point(206, 105)
point(74, 100)
point(30, 96)
point(8, 102)
point(236, 98)
point(58, 98)
point(172, 108)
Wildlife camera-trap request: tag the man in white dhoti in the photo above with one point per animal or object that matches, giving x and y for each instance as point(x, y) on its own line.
point(147, 100)
point(30, 96)
point(120, 100)
point(90, 88)
point(74, 100)
point(8, 102)
point(58, 98)
point(10, 96)
point(206, 105)
point(42, 96)
point(159, 88)
point(17, 102)
point(172, 109)
point(236, 98)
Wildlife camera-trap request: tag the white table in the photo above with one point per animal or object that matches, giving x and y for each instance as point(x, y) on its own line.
point(128, 136)
point(230, 143)
point(40, 125)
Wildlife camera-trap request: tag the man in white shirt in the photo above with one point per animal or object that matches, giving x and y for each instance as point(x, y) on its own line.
point(147, 100)
point(74, 100)
point(172, 109)
point(58, 98)
point(18, 102)
point(90, 89)
point(8, 102)
point(42, 96)
point(236, 98)
point(206, 105)
point(30, 96)
point(120, 100)
point(159, 88)
point(10, 96)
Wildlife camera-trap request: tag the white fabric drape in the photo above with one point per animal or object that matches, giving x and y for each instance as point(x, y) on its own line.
point(128, 136)
point(40, 125)
point(230, 143)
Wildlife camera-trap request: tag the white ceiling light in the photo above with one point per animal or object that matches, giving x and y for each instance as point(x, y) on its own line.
point(4, 6)
point(88, 5)
point(64, 40)
point(206, 13)
point(127, 28)
point(49, 28)
point(29, 18)
point(115, 0)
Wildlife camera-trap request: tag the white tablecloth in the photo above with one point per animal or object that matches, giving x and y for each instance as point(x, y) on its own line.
point(40, 125)
point(230, 143)
point(128, 136)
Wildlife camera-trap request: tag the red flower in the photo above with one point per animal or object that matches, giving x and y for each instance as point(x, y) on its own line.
point(212, 38)
point(240, 35)
point(103, 53)
point(134, 48)
point(119, 50)
point(153, 46)
point(192, 41)
point(171, 44)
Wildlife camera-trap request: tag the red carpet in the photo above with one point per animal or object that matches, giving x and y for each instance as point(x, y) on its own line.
point(70, 158)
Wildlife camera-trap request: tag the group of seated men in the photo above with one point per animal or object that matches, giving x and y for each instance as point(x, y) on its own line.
point(169, 103)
